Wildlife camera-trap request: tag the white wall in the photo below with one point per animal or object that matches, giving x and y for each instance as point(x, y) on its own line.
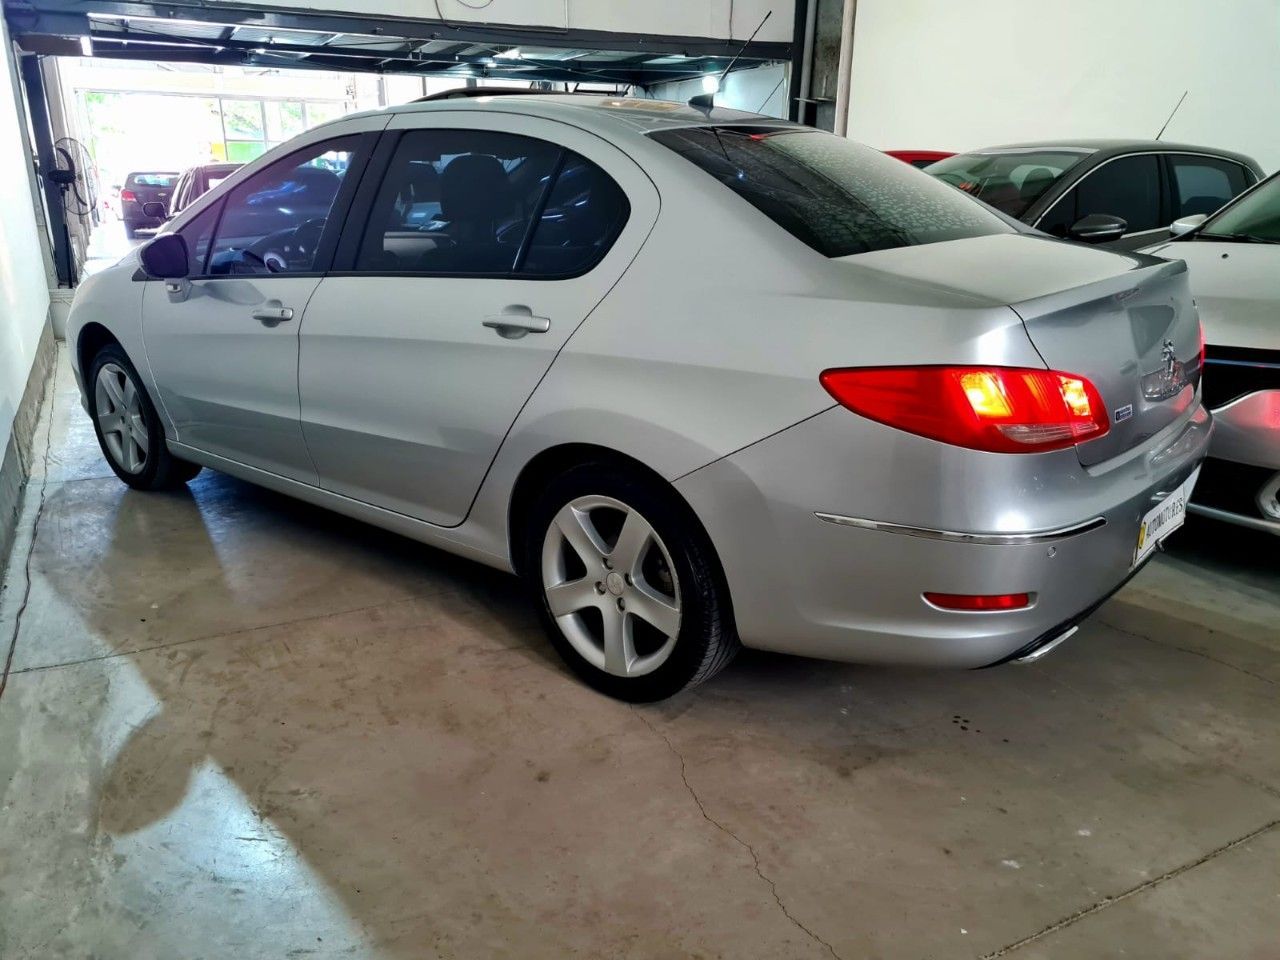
point(759, 90)
point(689, 18)
point(24, 293)
point(947, 75)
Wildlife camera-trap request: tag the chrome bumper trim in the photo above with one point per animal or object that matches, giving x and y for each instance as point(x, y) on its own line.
point(1040, 651)
point(955, 536)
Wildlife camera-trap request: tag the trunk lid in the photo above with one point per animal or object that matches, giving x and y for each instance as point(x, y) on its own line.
point(1125, 321)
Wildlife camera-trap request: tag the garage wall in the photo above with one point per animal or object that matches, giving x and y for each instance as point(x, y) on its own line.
point(759, 90)
point(688, 18)
point(24, 295)
point(950, 75)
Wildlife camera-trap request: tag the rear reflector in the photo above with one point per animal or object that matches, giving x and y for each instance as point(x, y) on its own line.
point(999, 409)
point(969, 601)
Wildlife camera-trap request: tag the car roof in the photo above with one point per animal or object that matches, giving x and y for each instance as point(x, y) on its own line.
point(1106, 147)
point(636, 114)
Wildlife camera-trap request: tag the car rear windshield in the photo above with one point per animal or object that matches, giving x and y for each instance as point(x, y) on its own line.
point(1011, 181)
point(152, 179)
point(1253, 217)
point(837, 196)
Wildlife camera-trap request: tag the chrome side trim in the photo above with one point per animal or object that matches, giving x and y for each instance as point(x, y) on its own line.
point(956, 536)
point(1040, 651)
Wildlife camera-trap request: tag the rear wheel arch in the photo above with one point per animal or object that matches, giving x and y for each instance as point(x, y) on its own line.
point(554, 461)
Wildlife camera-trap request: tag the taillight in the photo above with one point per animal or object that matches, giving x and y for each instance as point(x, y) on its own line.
point(999, 409)
point(979, 602)
point(128, 195)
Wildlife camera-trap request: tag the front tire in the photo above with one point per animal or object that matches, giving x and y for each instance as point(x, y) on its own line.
point(128, 427)
point(627, 585)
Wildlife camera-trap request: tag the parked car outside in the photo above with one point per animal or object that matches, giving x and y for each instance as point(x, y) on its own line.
point(1121, 194)
point(142, 188)
point(196, 182)
point(701, 377)
point(1234, 261)
point(920, 158)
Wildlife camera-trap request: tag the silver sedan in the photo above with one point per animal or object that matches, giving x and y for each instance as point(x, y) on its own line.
point(702, 378)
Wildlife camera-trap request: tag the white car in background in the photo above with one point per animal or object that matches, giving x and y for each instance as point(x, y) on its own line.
point(1234, 261)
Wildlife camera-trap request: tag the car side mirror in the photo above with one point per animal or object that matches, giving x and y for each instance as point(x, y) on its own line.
point(165, 257)
point(155, 210)
point(1186, 224)
point(1098, 228)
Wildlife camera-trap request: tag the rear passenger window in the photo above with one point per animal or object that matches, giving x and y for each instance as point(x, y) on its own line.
point(1203, 184)
point(1128, 187)
point(474, 202)
point(583, 215)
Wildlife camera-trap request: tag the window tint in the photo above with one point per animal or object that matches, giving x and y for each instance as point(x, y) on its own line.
point(1128, 187)
point(835, 195)
point(1203, 184)
point(1010, 181)
point(456, 202)
point(1256, 216)
point(272, 222)
point(583, 215)
point(197, 234)
point(152, 179)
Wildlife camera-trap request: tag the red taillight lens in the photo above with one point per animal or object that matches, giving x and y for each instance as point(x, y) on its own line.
point(128, 195)
point(969, 601)
point(999, 409)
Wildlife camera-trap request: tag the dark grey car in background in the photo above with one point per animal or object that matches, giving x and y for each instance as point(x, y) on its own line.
point(139, 189)
point(1122, 194)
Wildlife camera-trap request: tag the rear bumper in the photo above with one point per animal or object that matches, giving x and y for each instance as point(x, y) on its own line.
point(848, 592)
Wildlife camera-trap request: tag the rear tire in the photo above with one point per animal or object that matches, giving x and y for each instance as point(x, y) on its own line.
point(127, 425)
point(130, 230)
point(626, 584)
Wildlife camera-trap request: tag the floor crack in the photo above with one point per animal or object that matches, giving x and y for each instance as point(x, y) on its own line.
point(49, 396)
point(1131, 892)
point(1190, 650)
point(755, 858)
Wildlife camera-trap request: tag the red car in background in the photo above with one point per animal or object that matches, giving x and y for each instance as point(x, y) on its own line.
point(920, 158)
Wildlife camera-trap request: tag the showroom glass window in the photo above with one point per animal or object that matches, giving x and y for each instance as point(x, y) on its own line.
point(1256, 216)
point(1127, 187)
point(835, 195)
point(272, 222)
point(1203, 184)
point(476, 202)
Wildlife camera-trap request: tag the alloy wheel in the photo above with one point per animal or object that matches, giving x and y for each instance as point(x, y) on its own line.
point(118, 404)
point(610, 585)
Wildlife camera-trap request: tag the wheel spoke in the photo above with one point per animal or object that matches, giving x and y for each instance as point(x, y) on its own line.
point(112, 386)
point(570, 597)
point(619, 650)
point(110, 423)
point(652, 607)
point(581, 533)
point(633, 540)
point(138, 432)
point(130, 396)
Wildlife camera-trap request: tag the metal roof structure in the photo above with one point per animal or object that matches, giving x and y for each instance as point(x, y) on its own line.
point(242, 35)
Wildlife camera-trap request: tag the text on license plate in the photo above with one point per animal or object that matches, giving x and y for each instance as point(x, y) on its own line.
point(1164, 518)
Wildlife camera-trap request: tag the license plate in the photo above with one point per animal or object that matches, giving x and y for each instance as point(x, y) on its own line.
point(1164, 518)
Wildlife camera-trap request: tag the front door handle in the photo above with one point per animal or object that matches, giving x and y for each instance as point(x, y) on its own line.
point(273, 312)
point(517, 320)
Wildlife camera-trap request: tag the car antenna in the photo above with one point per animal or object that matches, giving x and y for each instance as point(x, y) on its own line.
point(1175, 110)
point(705, 101)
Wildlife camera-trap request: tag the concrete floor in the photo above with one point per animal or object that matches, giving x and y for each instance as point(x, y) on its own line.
point(240, 727)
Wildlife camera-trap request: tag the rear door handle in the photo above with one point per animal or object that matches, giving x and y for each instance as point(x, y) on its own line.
point(515, 321)
point(272, 312)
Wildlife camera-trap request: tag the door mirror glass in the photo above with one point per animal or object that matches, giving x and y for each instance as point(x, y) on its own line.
point(165, 257)
point(155, 210)
point(1098, 228)
point(1186, 224)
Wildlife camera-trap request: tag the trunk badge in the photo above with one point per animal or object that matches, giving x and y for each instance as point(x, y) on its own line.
point(1167, 381)
point(1124, 413)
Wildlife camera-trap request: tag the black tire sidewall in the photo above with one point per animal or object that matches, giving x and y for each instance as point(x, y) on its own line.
point(704, 616)
point(155, 473)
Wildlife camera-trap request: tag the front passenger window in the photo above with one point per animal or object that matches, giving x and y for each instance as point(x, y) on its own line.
point(272, 222)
